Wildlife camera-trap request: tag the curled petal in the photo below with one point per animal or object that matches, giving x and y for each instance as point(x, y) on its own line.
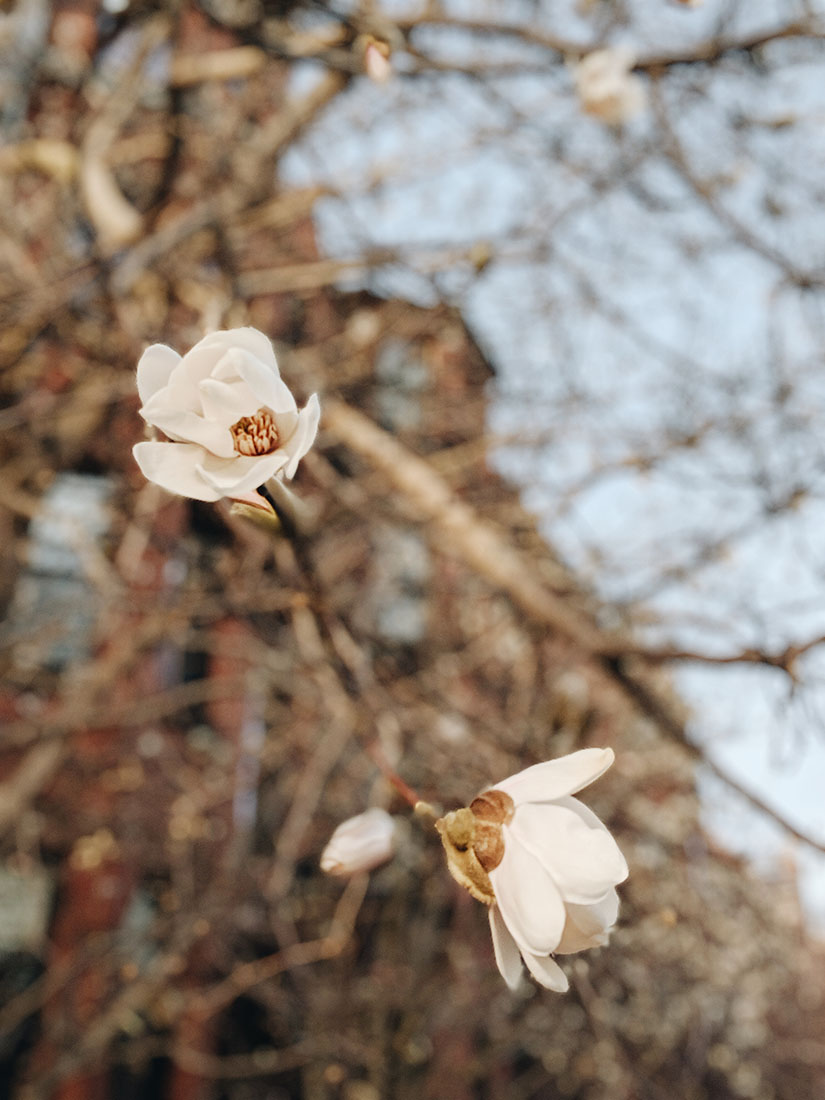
point(201, 361)
point(233, 476)
point(227, 402)
point(508, 957)
point(572, 845)
point(574, 940)
point(547, 972)
point(598, 917)
point(556, 778)
point(176, 468)
point(154, 368)
point(198, 363)
point(588, 925)
point(188, 427)
point(303, 437)
point(529, 900)
point(286, 423)
point(262, 380)
point(253, 341)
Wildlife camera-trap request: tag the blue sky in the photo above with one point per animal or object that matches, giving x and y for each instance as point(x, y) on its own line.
point(657, 345)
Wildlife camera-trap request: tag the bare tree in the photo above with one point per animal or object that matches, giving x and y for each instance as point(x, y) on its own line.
point(576, 247)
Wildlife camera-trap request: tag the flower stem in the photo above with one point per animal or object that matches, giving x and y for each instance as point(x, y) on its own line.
point(410, 796)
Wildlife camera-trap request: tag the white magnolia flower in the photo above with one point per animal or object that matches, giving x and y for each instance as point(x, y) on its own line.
point(232, 422)
point(542, 862)
point(360, 843)
point(607, 87)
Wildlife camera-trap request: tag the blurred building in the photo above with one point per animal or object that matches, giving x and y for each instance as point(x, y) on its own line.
point(191, 707)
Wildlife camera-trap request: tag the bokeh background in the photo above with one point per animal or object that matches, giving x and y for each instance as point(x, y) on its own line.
point(567, 492)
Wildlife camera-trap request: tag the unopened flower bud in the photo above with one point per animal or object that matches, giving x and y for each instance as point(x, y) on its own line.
point(360, 843)
point(377, 63)
point(606, 86)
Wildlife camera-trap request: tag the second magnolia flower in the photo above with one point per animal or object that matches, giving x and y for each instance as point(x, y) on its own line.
point(231, 421)
point(543, 863)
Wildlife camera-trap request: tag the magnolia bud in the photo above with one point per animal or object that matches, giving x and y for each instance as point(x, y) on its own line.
point(377, 59)
point(606, 85)
point(360, 843)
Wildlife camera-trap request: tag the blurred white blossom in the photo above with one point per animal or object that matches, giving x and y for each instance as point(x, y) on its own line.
point(360, 843)
point(606, 86)
point(543, 863)
point(231, 422)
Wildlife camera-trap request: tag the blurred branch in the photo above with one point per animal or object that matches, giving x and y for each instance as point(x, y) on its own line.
point(477, 541)
point(28, 29)
point(248, 975)
point(236, 63)
point(706, 52)
point(115, 219)
point(233, 199)
point(32, 774)
point(457, 529)
point(705, 191)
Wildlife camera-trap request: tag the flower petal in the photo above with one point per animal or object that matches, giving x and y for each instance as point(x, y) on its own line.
point(304, 435)
point(286, 423)
point(229, 477)
point(598, 917)
point(556, 778)
point(202, 360)
point(227, 402)
point(588, 925)
point(574, 940)
point(529, 900)
point(251, 339)
point(262, 379)
point(547, 972)
point(188, 427)
point(508, 957)
point(573, 846)
point(154, 368)
point(182, 390)
point(175, 467)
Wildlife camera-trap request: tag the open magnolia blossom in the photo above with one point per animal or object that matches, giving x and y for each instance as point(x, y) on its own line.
point(360, 843)
point(607, 87)
point(231, 422)
point(543, 863)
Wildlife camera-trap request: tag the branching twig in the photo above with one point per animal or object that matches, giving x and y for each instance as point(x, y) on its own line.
point(458, 530)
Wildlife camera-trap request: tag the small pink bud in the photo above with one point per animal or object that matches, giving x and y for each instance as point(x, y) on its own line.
point(377, 64)
point(360, 843)
point(253, 499)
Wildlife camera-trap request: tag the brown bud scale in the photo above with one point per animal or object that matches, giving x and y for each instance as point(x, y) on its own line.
point(494, 806)
point(488, 844)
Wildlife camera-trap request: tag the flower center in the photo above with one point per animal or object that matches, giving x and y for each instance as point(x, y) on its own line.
point(256, 434)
